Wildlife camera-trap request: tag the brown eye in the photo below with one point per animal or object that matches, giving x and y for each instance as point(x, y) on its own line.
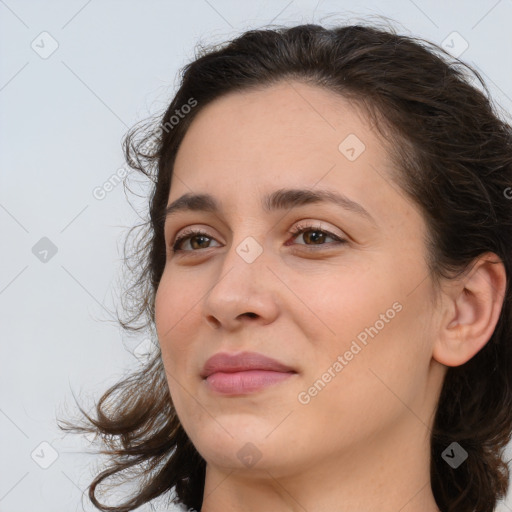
point(197, 238)
point(314, 235)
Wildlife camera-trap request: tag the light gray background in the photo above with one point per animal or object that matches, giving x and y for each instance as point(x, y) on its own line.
point(63, 118)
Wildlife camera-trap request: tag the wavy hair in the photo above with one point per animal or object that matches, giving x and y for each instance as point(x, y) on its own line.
point(452, 149)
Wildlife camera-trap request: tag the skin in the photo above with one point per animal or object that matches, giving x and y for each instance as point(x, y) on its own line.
point(362, 443)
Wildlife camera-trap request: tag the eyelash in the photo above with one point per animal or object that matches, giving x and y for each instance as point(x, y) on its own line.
point(298, 230)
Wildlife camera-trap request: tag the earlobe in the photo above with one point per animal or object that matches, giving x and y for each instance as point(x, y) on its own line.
point(472, 307)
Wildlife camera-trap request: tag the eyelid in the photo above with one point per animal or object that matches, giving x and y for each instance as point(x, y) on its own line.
point(318, 225)
point(189, 230)
point(299, 228)
point(302, 223)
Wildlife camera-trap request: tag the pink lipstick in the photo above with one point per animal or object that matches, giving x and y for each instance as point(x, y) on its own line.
point(244, 372)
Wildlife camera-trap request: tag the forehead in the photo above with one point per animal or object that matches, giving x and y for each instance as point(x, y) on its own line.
point(280, 130)
point(287, 135)
point(285, 120)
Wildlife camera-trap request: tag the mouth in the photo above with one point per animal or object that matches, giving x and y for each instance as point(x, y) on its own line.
point(248, 381)
point(242, 373)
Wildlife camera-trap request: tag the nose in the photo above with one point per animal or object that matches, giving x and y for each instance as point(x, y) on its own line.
point(242, 291)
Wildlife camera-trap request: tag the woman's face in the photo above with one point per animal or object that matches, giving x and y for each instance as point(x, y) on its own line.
point(346, 304)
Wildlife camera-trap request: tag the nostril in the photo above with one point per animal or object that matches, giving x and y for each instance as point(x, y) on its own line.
point(213, 321)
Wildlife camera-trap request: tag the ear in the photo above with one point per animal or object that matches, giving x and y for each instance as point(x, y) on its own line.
point(472, 306)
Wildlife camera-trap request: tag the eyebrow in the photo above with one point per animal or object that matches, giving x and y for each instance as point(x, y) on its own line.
point(278, 200)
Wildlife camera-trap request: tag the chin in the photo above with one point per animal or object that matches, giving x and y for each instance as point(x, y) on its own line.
point(239, 442)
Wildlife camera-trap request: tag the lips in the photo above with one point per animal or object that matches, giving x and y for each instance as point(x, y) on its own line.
point(243, 373)
point(244, 361)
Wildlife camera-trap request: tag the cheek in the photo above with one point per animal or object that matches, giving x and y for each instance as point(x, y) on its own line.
point(173, 313)
point(339, 305)
point(374, 384)
point(171, 321)
point(173, 305)
point(366, 318)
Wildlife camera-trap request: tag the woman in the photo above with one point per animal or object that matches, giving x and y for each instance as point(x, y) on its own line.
point(325, 268)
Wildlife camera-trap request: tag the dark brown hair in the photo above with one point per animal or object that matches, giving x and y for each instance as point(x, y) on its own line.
point(453, 155)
